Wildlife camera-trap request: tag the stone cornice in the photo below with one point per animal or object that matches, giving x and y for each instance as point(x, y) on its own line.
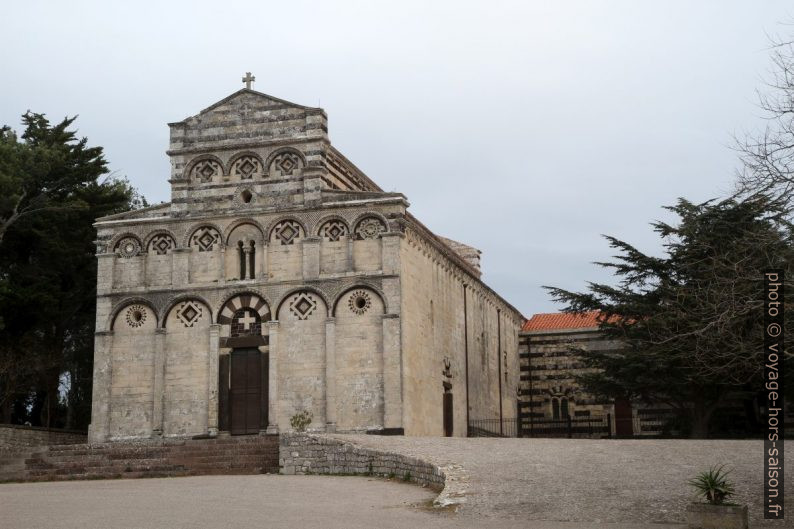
point(251, 144)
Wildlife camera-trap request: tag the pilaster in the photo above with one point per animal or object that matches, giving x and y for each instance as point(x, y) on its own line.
point(392, 372)
point(212, 380)
point(390, 252)
point(330, 375)
point(105, 265)
point(311, 257)
point(272, 400)
point(99, 430)
point(158, 383)
point(180, 266)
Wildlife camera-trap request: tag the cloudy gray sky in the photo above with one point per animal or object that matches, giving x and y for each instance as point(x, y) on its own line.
point(526, 128)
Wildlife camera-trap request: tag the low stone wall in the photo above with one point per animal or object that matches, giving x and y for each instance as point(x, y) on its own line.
point(17, 437)
point(250, 454)
point(317, 454)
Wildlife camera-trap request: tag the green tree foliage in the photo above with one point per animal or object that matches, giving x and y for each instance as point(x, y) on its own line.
point(53, 186)
point(691, 320)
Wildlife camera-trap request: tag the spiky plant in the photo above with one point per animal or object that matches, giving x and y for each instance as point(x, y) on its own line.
point(713, 485)
point(301, 420)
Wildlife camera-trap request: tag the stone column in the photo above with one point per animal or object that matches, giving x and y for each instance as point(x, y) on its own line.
point(212, 380)
point(247, 260)
point(392, 372)
point(272, 399)
point(311, 258)
point(180, 271)
point(99, 430)
point(330, 375)
point(158, 383)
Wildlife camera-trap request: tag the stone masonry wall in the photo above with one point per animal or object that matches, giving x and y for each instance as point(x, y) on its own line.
point(14, 437)
point(312, 454)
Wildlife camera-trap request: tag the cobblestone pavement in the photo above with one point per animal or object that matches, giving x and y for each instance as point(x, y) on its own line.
point(585, 480)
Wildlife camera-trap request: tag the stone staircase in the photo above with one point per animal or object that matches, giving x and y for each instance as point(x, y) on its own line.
point(255, 454)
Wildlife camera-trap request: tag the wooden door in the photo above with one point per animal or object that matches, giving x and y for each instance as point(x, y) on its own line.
point(245, 391)
point(624, 422)
point(448, 415)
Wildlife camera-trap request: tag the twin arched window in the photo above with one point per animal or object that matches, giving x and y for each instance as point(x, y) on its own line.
point(559, 408)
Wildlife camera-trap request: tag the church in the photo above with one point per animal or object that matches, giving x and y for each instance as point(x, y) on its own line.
point(280, 279)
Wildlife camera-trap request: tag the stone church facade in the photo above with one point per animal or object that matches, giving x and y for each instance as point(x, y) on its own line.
point(281, 279)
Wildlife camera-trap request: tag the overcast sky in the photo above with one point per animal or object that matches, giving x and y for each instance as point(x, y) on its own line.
point(526, 129)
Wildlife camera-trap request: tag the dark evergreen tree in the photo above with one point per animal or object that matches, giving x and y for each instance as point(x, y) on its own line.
point(50, 181)
point(691, 320)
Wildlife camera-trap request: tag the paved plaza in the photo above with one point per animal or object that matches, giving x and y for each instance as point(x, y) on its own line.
point(587, 480)
point(210, 502)
point(510, 483)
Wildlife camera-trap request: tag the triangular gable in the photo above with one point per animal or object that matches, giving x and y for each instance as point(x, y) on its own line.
point(253, 96)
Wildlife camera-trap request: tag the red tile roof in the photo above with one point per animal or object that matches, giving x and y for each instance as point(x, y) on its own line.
point(562, 320)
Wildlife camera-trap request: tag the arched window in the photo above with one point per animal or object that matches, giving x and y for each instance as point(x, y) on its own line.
point(251, 259)
point(247, 258)
point(246, 322)
point(241, 258)
point(564, 408)
point(555, 408)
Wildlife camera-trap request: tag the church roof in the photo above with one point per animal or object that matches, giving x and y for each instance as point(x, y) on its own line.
point(244, 91)
point(562, 320)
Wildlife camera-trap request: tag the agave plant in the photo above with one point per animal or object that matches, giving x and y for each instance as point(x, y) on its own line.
point(713, 485)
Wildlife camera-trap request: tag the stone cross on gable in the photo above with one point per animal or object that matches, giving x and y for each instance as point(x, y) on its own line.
point(248, 79)
point(246, 319)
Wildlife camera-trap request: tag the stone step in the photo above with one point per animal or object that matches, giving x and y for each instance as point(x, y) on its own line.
point(151, 458)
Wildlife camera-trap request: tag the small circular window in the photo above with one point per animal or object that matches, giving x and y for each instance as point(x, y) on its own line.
point(359, 302)
point(136, 316)
point(246, 196)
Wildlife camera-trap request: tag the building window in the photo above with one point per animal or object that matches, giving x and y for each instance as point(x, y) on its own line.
point(247, 258)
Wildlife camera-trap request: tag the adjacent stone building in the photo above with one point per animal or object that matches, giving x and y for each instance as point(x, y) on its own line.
point(549, 389)
point(281, 279)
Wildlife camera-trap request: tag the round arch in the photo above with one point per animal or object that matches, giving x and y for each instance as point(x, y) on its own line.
point(173, 302)
point(282, 150)
point(160, 231)
point(117, 237)
point(275, 222)
point(365, 216)
point(239, 222)
point(126, 302)
point(298, 290)
point(236, 156)
point(328, 218)
point(201, 158)
point(243, 299)
point(195, 227)
point(361, 286)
